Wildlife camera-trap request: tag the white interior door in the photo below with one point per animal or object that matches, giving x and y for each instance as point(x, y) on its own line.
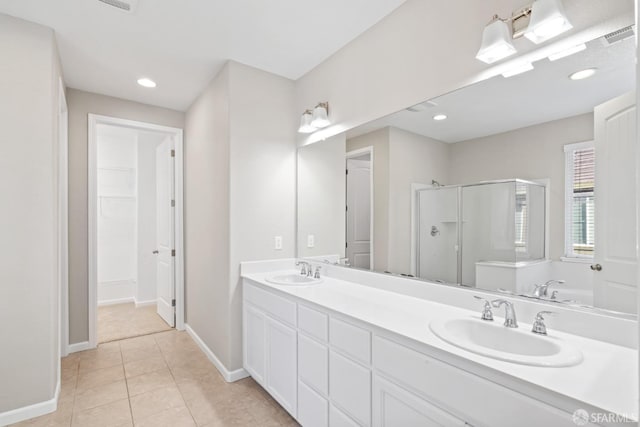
point(615, 205)
point(359, 213)
point(165, 264)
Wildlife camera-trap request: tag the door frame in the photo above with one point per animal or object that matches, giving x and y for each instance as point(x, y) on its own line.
point(63, 221)
point(349, 155)
point(92, 202)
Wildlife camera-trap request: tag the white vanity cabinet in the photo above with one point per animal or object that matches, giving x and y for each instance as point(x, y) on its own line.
point(329, 370)
point(270, 345)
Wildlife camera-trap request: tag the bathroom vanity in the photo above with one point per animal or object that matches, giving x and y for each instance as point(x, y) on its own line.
point(349, 352)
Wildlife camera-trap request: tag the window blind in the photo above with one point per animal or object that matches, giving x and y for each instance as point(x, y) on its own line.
point(583, 204)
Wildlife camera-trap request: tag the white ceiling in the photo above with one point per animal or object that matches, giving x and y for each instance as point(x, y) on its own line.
point(181, 44)
point(502, 104)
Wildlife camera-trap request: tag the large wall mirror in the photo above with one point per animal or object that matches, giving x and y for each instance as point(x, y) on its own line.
point(521, 185)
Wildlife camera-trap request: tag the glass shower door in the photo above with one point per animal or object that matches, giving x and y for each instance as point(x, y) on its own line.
point(437, 257)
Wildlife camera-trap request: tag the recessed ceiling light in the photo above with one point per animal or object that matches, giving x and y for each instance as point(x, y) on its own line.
point(146, 82)
point(583, 74)
point(440, 117)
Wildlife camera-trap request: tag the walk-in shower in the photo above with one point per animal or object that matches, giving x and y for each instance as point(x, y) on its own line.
point(463, 230)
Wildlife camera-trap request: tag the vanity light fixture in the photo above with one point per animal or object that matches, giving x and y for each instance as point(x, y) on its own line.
point(548, 20)
point(146, 82)
point(440, 117)
point(305, 122)
point(539, 22)
point(518, 69)
point(567, 52)
point(583, 74)
point(321, 116)
point(496, 42)
point(315, 119)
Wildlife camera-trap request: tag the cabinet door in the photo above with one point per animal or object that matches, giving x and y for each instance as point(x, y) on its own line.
point(350, 388)
point(282, 364)
point(254, 338)
point(313, 409)
point(394, 406)
point(313, 364)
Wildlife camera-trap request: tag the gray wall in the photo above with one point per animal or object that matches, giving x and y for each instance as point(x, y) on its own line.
point(28, 222)
point(412, 159)
point(240, 193)
point(80, 105)
point(207, 215)
point(533, 152)
point(263, 178)
point(321, 197)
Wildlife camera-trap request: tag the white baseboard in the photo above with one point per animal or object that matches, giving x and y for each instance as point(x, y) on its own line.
point(31, 411)
point(145, 303)
point(116, 301)
point(79, 346)
point(229, 376)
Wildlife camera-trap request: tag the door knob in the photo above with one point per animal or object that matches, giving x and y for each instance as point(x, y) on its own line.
point(156, 253)
point(596, 267)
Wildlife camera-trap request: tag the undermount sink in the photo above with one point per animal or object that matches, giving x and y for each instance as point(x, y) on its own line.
point(293, 279)
point(516, 345)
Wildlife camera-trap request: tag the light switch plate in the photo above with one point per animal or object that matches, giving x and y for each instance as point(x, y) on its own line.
point(277, 243)
point(311, 240)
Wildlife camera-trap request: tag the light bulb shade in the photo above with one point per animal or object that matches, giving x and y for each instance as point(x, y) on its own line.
point(548, 20)
point(305, 123)
point(320, 116)
point(496, 42)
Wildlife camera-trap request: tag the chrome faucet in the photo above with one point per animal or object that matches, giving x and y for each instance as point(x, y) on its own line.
point(306, 269)
point(538, 324)
point(317, 273)
point(510, 320)
point(487, 314)
point(542, 291)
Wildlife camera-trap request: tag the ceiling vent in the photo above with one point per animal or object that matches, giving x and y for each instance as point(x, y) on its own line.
point(422, 107)
point(127, 6)
point(619, 35)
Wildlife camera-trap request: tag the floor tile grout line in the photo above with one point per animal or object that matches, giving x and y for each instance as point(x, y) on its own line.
point(175, 382)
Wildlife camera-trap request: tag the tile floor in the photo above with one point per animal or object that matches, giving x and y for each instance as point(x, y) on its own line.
point(158, 380)
point(119, 321)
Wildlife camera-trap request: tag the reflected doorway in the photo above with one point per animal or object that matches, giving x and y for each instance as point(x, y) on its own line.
point(359, 208)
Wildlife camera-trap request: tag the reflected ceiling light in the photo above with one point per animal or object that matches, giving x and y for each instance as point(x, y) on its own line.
point(440, 117)
point(583, 74)
point(145, 82)
point(321, 116)
point(518, 69)
point(567, 52)
point(315, 119)
point(496, 42)
point(305, 122)
point(548, 20)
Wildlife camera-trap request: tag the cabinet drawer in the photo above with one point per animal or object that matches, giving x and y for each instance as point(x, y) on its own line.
point(350, 387)
point(338, 419)
point(313, 323)
point(352, 340)
point(393, 406)
point(485, 403)
point(313, 409)
point(272, 304)
point(313, 364)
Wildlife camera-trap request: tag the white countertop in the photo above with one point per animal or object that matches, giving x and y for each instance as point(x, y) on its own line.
point(606, 379)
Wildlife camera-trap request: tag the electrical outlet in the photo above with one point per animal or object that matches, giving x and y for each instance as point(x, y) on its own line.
point(277, 243)
point(311, 240)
